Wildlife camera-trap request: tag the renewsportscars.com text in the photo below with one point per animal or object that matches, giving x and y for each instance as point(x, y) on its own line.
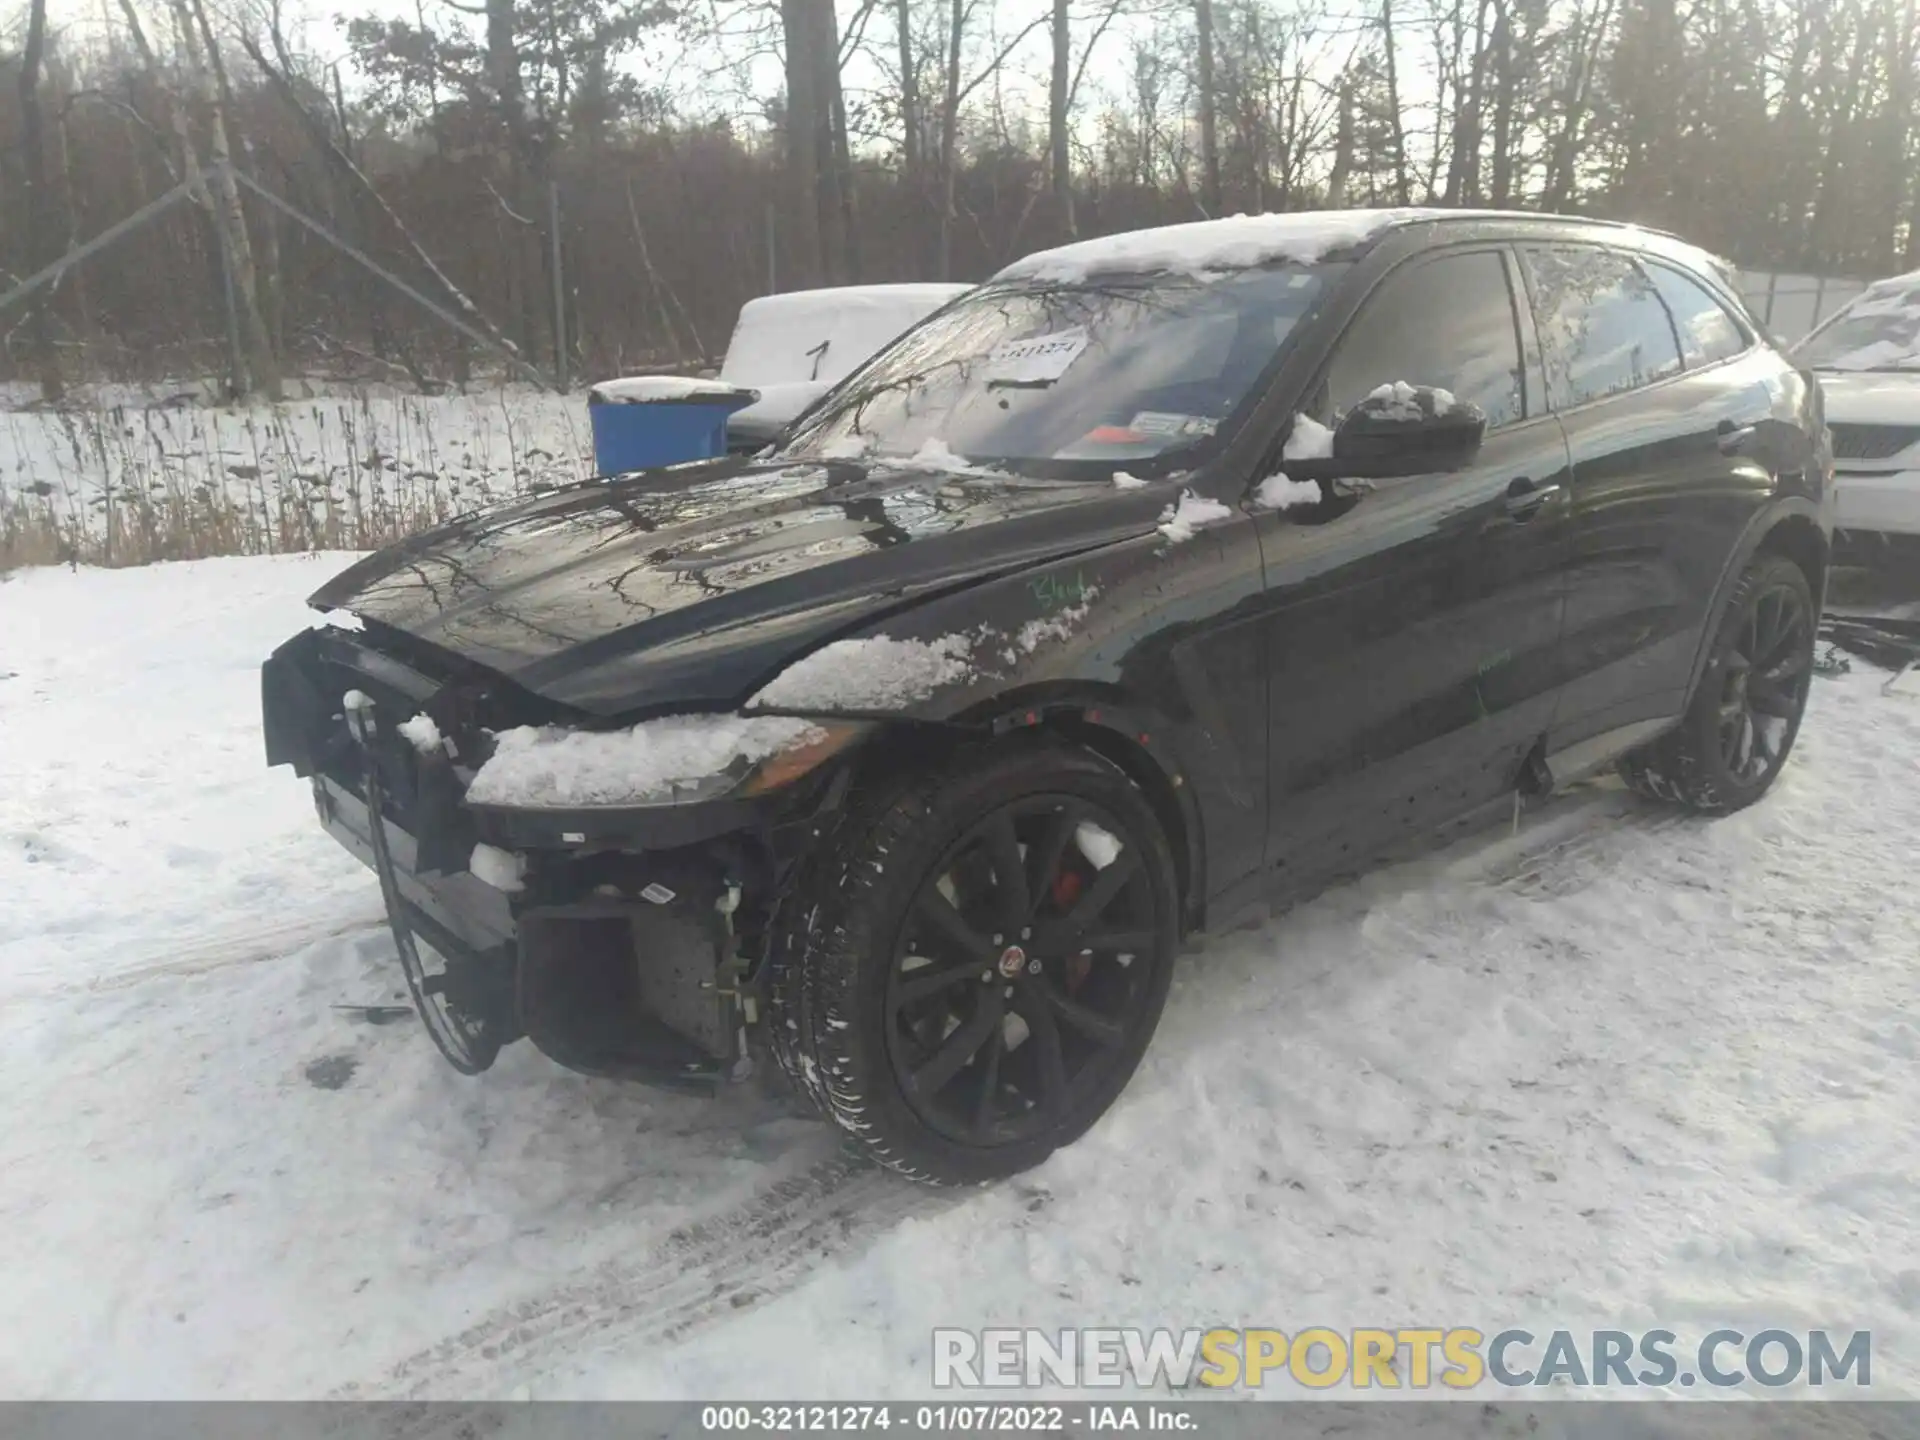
point(1406, 1358)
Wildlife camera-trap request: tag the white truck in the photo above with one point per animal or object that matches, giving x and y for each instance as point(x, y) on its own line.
point(795, 347)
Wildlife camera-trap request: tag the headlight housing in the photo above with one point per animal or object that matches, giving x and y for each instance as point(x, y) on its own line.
point(676, 760)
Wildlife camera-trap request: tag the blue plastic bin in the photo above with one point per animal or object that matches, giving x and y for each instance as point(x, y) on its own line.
point(645, 421)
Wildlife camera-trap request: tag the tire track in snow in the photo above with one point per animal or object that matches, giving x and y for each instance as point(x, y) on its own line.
point(1565, 842)
point(254, 945)
point(720, 1265)
point(1562, 867)
point(249, 947)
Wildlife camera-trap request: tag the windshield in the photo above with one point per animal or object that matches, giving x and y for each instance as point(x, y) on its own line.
point(1879, 331)
point(1069, 378)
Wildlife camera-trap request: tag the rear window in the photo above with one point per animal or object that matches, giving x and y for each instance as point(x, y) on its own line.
point(1707, 332)
point(1603, 327)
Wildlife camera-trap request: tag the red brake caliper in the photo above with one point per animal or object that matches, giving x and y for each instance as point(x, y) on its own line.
point(1066, 891)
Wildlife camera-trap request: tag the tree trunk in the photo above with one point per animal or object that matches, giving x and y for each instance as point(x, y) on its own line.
point(519, 231)
point(1463, 170)
point(949, 132)
point(266, 294)
point(804, 118)
point(1505, 83)
point(833, 197)
point(1209, 120)
point(1587, 43)
point(1393, 104)
point(36, 205)
point(1342, 148)
point(1057, 119)
point(230, 215)
point(912, 177)
point(909, 94)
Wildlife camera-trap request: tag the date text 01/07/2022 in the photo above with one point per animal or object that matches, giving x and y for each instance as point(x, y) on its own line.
point(947, 1419)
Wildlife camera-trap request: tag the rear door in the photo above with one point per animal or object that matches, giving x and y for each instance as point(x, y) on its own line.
point(1415, 635)
point(1668, 404)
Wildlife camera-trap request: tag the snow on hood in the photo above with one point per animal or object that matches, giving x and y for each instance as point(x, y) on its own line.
point(1209, 246)
point(1882, 398)
point(656, 389)
point(552, 767)
point(874, 673)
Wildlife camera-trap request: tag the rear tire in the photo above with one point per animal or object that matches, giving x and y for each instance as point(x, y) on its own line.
point(959, 985)
point(1746, 712)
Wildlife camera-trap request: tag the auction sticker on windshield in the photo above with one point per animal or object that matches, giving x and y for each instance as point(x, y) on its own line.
point(1040, 357)
point(1162, 422)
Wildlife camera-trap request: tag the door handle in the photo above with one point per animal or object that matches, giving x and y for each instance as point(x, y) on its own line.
point(1732, 438)
point(1524, 498)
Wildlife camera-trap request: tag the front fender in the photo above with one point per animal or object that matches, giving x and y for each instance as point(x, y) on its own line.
point(1149, 650)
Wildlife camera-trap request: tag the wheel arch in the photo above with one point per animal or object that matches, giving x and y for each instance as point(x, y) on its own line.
point(1799, 538)
point(1791, 527)
point(1128, 734)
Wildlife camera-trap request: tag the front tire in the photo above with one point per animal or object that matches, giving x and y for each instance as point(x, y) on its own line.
point(1746, 712)
point(974, 969)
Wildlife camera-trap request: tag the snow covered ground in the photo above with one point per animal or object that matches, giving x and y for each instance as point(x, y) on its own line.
point(1622, 1069)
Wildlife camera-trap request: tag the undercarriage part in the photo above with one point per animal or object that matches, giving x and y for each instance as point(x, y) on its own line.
point(641, 984)
point(461, 1005)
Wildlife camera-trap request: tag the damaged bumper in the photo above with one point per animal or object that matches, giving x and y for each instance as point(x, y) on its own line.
point(617, 952)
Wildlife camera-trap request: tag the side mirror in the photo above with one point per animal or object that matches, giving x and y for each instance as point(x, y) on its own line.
point(1406, 429)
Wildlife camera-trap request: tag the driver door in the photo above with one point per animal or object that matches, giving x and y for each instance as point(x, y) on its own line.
point(1415, 647)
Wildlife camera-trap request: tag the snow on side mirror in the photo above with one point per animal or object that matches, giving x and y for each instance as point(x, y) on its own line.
point(1403, 429)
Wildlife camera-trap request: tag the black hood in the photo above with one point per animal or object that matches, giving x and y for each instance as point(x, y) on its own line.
point(694, 585)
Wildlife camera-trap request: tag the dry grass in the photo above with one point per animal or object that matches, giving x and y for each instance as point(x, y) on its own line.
point(130, 484)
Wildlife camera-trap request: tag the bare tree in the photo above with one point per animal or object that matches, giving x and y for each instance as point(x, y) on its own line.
point(1390, 49)
point(35, 203)
point(1209, 117)
point(1059, 122)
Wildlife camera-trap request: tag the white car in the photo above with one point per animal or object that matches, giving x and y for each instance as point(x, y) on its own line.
point(1868, 360)
point(795, 347)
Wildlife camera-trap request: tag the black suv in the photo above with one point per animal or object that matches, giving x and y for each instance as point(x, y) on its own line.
point(1156, 575)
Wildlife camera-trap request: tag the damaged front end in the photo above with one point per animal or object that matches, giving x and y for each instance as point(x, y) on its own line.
point(621, 934)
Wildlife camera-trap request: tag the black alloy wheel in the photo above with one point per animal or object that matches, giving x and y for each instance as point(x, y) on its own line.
point(1764, 673)
point(1023, 967)
point(977, 965)
point(1746, 711)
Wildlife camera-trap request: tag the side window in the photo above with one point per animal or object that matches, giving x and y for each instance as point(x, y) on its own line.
point(1707, 332)
point(1603, 328)
point(1449, 323)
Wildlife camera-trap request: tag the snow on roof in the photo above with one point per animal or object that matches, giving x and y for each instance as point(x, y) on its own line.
point(1206, 246)
point(652, 389)
point(823, 335)
point(831, 297)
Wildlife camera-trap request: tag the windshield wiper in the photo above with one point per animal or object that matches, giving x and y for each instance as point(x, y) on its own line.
point(1008, 383)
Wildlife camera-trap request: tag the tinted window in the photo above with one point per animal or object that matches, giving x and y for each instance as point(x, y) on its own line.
point(1602, 326)
point(1448, 323)
point(1707, 332)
